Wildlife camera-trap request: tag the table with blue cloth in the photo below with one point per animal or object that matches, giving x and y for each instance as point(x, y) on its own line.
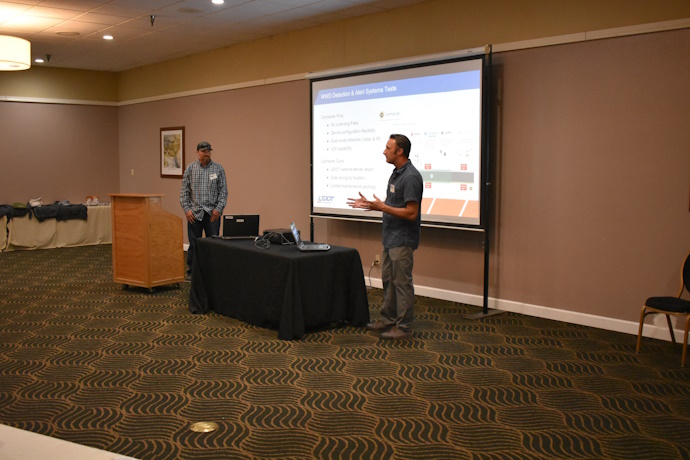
point(279, 287)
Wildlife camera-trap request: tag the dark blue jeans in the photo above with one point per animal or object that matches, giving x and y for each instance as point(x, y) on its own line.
point(195, 230)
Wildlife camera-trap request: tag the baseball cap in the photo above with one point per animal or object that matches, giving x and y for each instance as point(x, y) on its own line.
point(203, 146)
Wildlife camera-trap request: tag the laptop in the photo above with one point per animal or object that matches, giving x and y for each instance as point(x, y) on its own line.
point(302, 246)
point(240, 226)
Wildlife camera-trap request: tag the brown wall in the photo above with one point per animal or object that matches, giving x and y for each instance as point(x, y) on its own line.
point(593, 161)
point(591, 185)
point(63, 84)
point(57, 152)
point(435, 26)
point(260, 135)
point(591, 173)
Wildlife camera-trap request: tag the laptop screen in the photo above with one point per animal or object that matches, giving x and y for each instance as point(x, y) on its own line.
point(240, 225)
point(295, 233)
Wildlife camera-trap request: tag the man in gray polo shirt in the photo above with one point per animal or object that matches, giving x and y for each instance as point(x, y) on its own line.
point(400, 234)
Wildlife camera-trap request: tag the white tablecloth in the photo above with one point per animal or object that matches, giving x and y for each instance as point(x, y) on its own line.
point(3, 232)
point(29, 233)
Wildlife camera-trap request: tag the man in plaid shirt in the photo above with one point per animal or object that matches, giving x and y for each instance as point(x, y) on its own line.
point(203, 196)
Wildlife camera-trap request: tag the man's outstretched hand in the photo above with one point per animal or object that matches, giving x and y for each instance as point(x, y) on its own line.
point(363, 203)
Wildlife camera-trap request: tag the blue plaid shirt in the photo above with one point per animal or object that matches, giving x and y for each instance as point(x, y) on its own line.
point(204, 189)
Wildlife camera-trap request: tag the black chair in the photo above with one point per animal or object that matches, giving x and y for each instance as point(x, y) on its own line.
point(670, 306)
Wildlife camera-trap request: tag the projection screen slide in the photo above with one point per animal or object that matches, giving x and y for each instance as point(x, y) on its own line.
point(438, 106)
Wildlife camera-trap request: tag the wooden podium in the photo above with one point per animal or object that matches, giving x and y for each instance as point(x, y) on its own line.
point(147, 241)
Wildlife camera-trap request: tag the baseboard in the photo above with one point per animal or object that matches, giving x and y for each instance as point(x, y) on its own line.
point(654, 328)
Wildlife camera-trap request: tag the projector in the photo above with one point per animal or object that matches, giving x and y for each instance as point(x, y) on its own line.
point(279, 235)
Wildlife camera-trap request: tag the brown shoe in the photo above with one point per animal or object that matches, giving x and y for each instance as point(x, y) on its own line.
point(396, 333)
point(378, 326)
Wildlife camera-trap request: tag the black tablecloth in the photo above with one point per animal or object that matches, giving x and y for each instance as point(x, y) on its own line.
point(279, 287)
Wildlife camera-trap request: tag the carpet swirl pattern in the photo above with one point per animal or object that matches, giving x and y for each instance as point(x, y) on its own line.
point(84, 360)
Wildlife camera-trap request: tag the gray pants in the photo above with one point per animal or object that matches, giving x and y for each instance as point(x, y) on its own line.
point(398, 291)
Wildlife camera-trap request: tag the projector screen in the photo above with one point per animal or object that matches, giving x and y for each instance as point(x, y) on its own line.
point(438, 106)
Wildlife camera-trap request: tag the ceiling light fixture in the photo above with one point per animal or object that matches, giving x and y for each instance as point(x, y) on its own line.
point(217, 2)
point(107, 37)
point(15, 53)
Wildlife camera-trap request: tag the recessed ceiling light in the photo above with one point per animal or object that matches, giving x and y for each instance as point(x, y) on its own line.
point(39, 61)
point(107, 37)
point(217, 2)
point(68, 34)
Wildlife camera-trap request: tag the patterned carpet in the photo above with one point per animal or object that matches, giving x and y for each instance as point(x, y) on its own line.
point(84, 360)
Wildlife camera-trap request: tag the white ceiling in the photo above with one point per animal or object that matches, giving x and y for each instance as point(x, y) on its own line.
point(71, 31)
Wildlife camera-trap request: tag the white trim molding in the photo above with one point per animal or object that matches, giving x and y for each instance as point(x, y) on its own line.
point(46, 100)
point(655, 329)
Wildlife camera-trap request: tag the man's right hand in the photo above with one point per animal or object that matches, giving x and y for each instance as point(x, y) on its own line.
point(361, 202)
point(190, 216)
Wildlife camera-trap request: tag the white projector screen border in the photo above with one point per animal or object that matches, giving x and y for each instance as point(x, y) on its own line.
point(439, 105)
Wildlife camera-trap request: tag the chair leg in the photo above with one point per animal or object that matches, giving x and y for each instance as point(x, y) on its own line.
point(639, 332)
point(670, 329)
point(685, 342)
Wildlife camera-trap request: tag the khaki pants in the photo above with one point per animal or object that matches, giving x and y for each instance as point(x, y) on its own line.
point(398, 290)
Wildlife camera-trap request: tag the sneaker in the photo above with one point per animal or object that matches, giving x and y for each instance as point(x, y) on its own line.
point(396, 333)
point(378, 326)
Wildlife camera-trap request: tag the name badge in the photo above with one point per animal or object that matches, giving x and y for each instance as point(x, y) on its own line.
point(392, 188)
point(213, 176)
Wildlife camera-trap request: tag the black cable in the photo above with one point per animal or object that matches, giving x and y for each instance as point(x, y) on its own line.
point(370, 269)
point(264, 242)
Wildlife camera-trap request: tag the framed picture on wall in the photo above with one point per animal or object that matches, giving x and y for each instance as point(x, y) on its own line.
point(172, 152)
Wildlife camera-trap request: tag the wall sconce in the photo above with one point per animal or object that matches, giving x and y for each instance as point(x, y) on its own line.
point(15, 53)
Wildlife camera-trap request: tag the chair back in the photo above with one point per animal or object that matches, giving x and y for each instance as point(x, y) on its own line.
point(686, 275)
